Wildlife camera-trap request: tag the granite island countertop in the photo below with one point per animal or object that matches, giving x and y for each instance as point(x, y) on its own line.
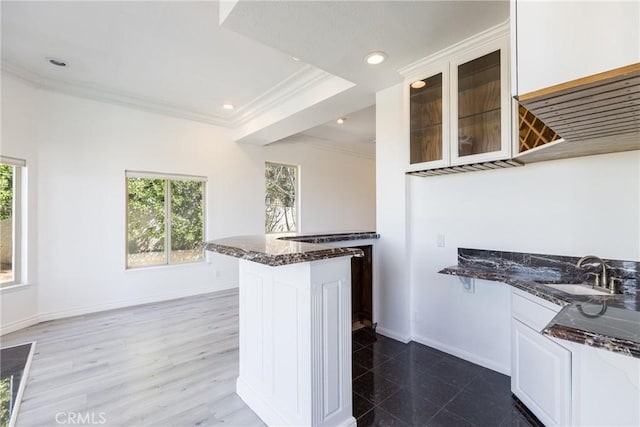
point(332, 237)
point(283, 250)
point(611, 322)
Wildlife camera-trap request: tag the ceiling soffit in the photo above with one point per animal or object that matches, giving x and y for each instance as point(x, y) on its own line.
point(311, 96)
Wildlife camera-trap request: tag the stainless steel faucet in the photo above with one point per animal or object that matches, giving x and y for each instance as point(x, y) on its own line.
point(602, 280)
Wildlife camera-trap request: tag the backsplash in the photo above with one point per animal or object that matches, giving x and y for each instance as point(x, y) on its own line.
point(553, 267)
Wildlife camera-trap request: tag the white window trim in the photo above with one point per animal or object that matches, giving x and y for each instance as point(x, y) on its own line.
point(298, 229)
point(14, 287)
point(13, 161)
point(17, 221)
point(167, 177)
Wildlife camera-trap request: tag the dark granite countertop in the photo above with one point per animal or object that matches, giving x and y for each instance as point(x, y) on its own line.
point(333, 237)
point(611, 322)
point(276, 251)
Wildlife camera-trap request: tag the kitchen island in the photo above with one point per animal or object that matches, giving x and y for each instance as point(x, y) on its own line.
point(295, 329)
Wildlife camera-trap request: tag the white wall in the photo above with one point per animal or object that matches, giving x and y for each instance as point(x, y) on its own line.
point(392, 154)
point(338, 191)
point(573, 207)
point(19, 305)
point(83, 148)
point(566, 207)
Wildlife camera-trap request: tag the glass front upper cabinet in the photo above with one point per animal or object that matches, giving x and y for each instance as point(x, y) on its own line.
point(460, 108)
point(426, 119)
point(481, 108)
point(479, 105)
point(428, 115)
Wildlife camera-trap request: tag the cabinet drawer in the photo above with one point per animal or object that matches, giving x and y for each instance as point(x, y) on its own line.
point(530, 312)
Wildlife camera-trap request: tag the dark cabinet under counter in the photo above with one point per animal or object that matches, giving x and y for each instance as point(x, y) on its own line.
point(362, 288)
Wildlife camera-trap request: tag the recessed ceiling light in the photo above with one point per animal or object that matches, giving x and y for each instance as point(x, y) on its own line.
point(419, 84)
point(341, 120)
point(228, 106)
point(57, 62)
point(375, 58)
point(295, 59)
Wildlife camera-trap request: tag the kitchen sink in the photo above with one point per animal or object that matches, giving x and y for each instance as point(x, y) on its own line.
point(577, 289)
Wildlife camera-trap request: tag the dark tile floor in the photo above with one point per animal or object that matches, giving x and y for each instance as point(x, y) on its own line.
point(396, 384)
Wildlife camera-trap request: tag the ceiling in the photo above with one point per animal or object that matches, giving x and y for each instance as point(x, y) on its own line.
point(336, 35)
point(174, 57)
point(358, 128)
point(356, 135)
point(169, 52)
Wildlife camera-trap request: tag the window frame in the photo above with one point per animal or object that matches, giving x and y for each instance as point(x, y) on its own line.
point(297, 198)
point(167, 178)
point(19, 167)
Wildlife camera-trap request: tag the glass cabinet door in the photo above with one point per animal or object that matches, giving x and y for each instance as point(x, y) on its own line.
point(426, 120)
point(479, 100)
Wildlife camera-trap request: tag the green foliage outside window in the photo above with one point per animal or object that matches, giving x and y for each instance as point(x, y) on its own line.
point(7, 247)
point(280, 198)
point(5, 399)
point(6, 191)
point(146, 215)
point(147, 221)
point(187, 214)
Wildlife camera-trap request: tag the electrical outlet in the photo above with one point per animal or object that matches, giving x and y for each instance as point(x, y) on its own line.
point(217, 273)
point(440, 240)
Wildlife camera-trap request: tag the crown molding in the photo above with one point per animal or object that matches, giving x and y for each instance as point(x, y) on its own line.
point(475, 41)
point(102, 94)
point(297, 83)
point(288, 88)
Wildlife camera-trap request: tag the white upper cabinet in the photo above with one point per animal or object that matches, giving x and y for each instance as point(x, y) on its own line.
point(459, 104)
point(561, 41)
point(429, 119)
point(481, 105)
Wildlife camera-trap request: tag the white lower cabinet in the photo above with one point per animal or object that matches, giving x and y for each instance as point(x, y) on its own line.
point(540, 368)
point(606, 387)
point(565, 383)
point(541, 375)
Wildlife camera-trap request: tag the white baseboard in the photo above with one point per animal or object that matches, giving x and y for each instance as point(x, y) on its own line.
point(270, 416)
point(267, 413)
point(391, 334)
point(351, 422)
point(463, 354)
point(112, 305)
point(19, 324)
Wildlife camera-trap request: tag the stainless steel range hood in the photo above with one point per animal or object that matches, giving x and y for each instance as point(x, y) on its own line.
point(594, 115)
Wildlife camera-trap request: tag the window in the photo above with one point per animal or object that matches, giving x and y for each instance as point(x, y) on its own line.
point(165, 219)
point(10, 219)
point(281, 198)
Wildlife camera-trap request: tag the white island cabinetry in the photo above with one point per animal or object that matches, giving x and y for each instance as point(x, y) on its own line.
point(295, 329)
point(295, 342)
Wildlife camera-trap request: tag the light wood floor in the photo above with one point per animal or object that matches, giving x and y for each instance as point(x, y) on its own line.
point(166, 364)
